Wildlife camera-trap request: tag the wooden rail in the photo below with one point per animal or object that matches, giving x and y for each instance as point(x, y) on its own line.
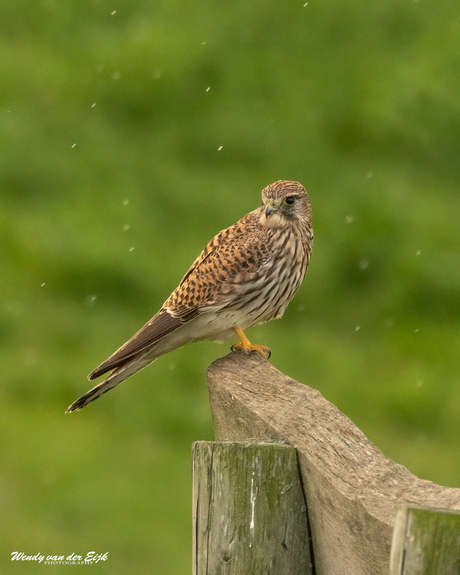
point(353, 492)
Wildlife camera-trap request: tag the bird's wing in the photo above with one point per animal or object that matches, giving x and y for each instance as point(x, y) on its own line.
point(229, 258)
point(158, 327)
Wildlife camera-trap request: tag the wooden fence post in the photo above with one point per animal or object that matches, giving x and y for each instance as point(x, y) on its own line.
point(426, 542)
point(249, 510)
point(352, 490)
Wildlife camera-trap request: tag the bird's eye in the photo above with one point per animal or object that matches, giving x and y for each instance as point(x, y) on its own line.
point(289, 200)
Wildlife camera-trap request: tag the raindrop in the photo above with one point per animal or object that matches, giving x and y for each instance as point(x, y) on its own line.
point(131, 249)
point(369, 174)
point(420, 383)
point(73, 146)
point(301, 307)
point(126, 227)
point(357, 328)
point(219, 148)
point(90, 299)
point(418, 252)
point(203, 43)
point(42, 285)
point(92, 105)
point(208, 88)
point(364, 264)
point(125, 202)
point(116, 75)
point(349, 219)
point(113, 13)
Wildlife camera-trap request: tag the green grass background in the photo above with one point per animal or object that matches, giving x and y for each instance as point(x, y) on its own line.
point(110, 129)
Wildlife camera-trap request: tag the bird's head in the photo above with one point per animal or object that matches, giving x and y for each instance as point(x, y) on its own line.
point(285, 203)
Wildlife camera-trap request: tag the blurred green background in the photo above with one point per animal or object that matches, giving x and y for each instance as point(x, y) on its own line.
point(133, 131)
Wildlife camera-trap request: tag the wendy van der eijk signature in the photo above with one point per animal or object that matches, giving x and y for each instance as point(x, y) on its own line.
point(72, 559)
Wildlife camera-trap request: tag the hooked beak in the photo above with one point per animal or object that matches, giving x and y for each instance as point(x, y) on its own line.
point(269, 210)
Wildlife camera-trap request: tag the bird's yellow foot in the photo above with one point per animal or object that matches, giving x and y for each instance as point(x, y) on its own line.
point(248, 347)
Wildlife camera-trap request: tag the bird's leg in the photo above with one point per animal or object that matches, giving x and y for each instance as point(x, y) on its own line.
point(246, 346)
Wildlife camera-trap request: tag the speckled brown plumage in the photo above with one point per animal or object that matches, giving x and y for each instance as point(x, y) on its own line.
point(246, 275)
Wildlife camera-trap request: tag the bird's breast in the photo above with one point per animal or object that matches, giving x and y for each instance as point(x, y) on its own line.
point(268, 292)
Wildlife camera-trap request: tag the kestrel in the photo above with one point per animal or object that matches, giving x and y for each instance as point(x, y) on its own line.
point(246, 275)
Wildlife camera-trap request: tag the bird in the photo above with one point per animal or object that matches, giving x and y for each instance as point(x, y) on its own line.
point(246, 275)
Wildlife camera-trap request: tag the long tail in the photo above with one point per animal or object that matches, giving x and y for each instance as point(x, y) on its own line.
point(117, 376)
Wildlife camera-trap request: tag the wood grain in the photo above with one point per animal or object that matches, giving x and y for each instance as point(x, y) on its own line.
point(249, 507)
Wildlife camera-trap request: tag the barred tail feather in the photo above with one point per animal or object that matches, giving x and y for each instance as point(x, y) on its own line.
point(117, 376)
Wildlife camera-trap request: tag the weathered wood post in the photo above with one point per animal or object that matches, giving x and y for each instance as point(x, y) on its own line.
point(426, 542)
point(250, 514)
point(352, 490)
